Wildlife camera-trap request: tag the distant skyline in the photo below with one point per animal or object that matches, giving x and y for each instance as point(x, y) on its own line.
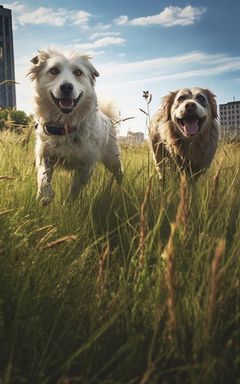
point(151, 45)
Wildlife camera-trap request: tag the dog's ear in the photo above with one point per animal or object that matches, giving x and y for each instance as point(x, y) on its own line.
point(38, 62)
point(212, 102)
point(93, 72)
point(35, 59)
point(167, 102)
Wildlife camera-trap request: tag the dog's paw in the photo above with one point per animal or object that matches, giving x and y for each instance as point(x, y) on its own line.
point(45, 195)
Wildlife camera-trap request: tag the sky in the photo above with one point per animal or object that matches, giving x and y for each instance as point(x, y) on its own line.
point(154, 45)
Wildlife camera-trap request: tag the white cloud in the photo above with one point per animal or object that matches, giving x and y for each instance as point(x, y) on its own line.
point(79, 17)
point(169, 17)
point(103, 34)
point(158, 71)
point(101, 43)
point(93, 48)
point(47, 16)
point(16, 6)
point(182, 75)
point(161, 65)
point(121, 20)
point(77, 40)
point(43, 15)
point(103, 27)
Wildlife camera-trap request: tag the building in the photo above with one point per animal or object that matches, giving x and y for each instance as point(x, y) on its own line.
point(7, 91)
point(136, 137)
point(229, 114)
point(133, 138)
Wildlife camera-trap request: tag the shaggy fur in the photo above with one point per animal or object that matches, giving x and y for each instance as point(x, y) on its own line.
point(66, 99)
point(185, 129)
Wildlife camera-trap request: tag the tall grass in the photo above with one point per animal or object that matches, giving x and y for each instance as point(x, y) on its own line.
point(138, 284)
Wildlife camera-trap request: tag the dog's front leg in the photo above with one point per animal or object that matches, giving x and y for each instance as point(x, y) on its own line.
point(160, 156)
point(113, 164)
point(111, 158)
point(45, 193)
point(79, 180)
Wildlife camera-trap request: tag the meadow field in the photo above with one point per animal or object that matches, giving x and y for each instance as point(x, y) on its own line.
point(138, 284)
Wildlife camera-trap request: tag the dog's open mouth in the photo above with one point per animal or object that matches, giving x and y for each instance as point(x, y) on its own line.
point(190, 126)
point(66, 104)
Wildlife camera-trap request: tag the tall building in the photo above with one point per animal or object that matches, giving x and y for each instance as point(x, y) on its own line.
point(230, 118)
point(7, 91)
point(134, 138)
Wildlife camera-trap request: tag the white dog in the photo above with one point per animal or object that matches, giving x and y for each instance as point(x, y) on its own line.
point(71, 131)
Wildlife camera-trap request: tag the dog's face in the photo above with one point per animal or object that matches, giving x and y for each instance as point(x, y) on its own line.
point(190, 110)
point(61, 81)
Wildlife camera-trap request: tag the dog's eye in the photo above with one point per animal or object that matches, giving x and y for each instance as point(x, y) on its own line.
point(54, 71)
point(201, 99)
point(77, 72)
point(181, 98)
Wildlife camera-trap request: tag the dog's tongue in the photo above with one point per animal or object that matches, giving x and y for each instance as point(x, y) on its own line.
point(190, 127)
point(66, 103)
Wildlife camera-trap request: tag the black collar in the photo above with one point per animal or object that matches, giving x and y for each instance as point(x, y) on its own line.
point(57, 131)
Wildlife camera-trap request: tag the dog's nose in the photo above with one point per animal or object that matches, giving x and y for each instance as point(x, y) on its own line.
point(66, 88)
point(190, 107)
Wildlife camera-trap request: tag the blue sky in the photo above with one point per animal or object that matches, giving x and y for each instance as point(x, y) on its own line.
point(146, 45)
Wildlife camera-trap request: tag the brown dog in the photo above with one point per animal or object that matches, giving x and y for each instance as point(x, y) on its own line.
point(185, 129)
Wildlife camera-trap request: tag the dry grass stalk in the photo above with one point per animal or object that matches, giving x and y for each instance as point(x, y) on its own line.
point(123, 120)
point(62, 240)
point(8, 82)
point(143, 223)
point(182, 216)
point(42, 228)
point(29, 130)
point(215, 187)
point(7, 177)
point(146, 379)
point(214, 282)
point(170, 279)
point(102, 261)
point(142, 110)
point(6, 212)
point(45, 238)
point(147, 96)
